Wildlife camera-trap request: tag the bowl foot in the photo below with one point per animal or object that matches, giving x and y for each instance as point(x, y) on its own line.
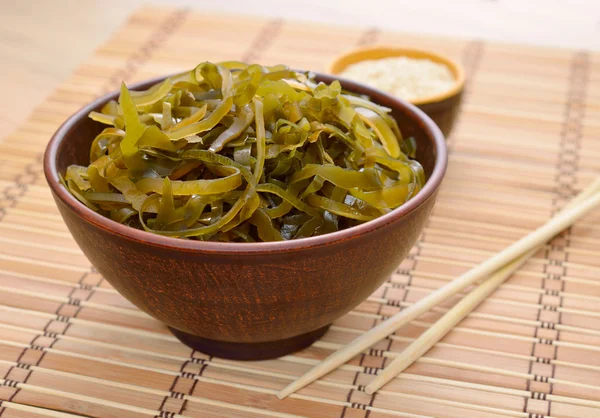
point(249, 351)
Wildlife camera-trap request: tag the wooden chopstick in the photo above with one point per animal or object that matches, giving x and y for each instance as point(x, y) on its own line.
point(525, 245)
point(445, 324)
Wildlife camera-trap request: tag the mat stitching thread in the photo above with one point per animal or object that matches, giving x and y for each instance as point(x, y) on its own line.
point(471, 58)
point(131, 66)
point(20, 185)
point(263, 40)
point(535, 415)
point(35, 347)
point(375, 371)
point(90, 291)
point(185, 402)
point(15, 191)
point(369, 36)
point(143, 54)
point(27, 367)
point(185, 375)
point(540, 307)
point(33, 170)
point(6, 377)
point(60, 318)
point(567, 164)
point(571, 133)
point(472, 65)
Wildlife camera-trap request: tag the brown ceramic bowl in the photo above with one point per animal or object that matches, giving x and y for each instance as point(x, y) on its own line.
point(443, 108)
point(247, 300)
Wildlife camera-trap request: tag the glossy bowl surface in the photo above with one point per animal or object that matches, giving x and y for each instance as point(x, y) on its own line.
point(247, 300)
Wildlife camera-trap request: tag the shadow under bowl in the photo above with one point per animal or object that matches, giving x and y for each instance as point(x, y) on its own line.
point(247, 300)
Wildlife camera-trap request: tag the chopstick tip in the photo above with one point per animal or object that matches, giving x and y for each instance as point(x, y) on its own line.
point(370, 390)
point(283, 393)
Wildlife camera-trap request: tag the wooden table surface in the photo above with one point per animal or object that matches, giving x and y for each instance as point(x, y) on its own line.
point(41, 42)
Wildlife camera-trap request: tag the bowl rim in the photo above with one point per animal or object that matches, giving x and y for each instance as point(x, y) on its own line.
point(187, 245)
point(356, 55)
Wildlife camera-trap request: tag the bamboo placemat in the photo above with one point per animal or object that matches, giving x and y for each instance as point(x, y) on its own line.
point(527, 140)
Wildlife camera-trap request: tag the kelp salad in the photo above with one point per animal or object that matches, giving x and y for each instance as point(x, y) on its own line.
point(245, 153)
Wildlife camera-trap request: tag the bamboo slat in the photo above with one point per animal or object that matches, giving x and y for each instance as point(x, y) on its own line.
point(526, 142)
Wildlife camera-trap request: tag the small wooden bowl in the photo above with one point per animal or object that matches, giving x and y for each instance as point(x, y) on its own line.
point(443, 108)
point(247, 300)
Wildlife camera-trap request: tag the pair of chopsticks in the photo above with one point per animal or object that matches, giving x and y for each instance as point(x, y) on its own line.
point(500, 266)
